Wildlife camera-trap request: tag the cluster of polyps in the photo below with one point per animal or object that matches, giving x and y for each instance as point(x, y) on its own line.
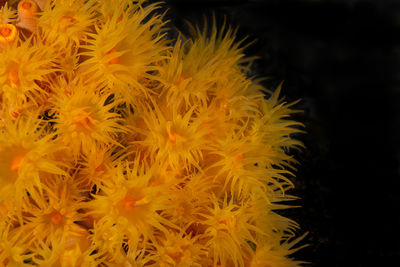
point(121, 147)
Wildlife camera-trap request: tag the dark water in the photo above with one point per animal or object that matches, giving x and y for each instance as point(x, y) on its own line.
point(342, 59)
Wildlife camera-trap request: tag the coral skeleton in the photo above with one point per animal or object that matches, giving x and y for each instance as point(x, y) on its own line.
point(120, 146)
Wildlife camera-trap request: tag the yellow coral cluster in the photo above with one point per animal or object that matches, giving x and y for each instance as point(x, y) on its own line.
point(120, 147)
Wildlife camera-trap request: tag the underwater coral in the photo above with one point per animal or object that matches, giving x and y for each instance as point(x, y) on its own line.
point(120, 146)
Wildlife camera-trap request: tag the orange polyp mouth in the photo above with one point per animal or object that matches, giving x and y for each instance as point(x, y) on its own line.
point(181, 79)
point(114, 60)
point(13, 77)
point(180, 211)
point(26, 5)
point(4, 207)
point(239, 161)
point(100, 168)
point(84, 120)
point(56, 218)
point(129, 203)
point(222, 222)
point(172, 137)
point(176, 256)
point(239, 157)
point(5, 32)
point(14, 115)
point(67, 19)
point(66, 22)
point(154, 183)
point(8, 32)
point(16, 162)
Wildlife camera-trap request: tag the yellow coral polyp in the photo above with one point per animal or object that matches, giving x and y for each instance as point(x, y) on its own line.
point(64, 23)
point(7, 14)
point(83, 119)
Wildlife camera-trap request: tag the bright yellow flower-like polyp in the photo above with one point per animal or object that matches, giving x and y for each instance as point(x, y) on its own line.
point(23, 68)
point(124, 47)
point(83, 118)
point(121, 147)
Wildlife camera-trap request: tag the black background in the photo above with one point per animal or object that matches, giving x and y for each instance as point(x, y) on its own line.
point(341, 58)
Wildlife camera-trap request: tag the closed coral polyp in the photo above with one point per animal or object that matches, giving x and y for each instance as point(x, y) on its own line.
point(27, 9)
point(27, 12)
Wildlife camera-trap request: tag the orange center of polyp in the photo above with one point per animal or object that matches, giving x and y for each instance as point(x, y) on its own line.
point(114, 60)
point(128, 203)
point(5, 31)
point(224, 222)
point(26, 5)
point(100, 168)
point(3, 208)
point(172, 137)
point(56, 218)
point(8, 33)
point(176, 256)
point(239, 157)
point(14, 114)
point(84, 120)
point(13, 77)
point(16, 162)
point(181, 79)
point(67, 19)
